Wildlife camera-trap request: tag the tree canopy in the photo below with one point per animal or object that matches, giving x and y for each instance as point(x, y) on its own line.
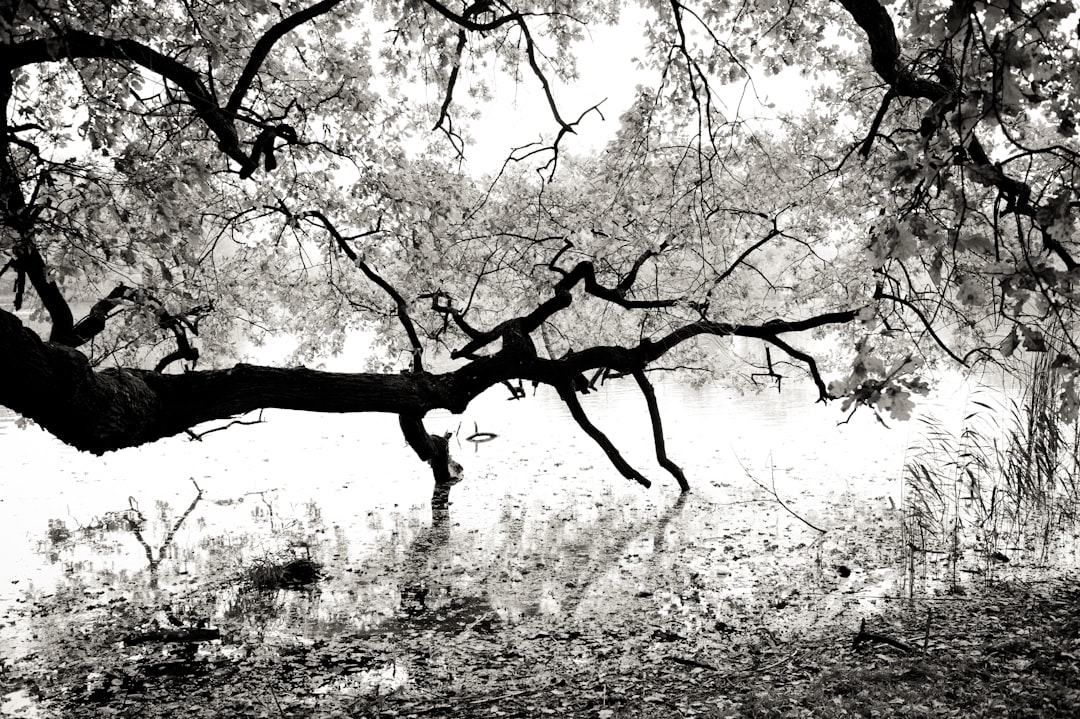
point(192, 177)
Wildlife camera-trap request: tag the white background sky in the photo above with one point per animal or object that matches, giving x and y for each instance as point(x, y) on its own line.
point(608, 71)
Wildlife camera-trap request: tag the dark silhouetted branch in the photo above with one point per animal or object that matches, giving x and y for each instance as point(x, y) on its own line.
point(774, 232)
point(94, 322)
point(864, 149)
point(889, 64)
point(566, 392)
point(29, 264)
point(585, 272)
point(197, 436)
point(658, 430)
point(79, 44)
point(885, 56)
point(266, 43)
point(400, 304)
point(472, 25)
point(809, 361)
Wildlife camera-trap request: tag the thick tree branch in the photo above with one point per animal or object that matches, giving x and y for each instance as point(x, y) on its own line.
point(517, 328)
point(19, 217)
point(55, 386)
point(653, 350)
point(467, 23)
point(585, 272)
point(811, 365)
point(12, 200)
point(101, 411)
point(183, 351)
point(566, 392)
point(658, 430)
point(93, 323)
point(29, 263)
point(266, 43)
point(885, 55)
point(431, 448)
point(627, 282)
point(443, 304)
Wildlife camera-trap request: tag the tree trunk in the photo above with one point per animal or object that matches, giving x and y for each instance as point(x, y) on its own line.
point(106, 410)
point(433, 449)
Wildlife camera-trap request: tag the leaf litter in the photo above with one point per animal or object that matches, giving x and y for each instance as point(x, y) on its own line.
point(614, 617)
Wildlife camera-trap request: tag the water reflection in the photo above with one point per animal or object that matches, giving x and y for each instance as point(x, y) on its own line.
point(595, 559)
point(542, 537)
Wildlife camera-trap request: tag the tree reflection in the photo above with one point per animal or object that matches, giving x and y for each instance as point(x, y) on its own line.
point(95, 536)
point(137, 523)
point(415, 582)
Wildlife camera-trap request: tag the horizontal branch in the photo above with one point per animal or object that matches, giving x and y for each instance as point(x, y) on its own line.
point(472, 25)
point(585, 273)
point(55, 386)
point(653, 350)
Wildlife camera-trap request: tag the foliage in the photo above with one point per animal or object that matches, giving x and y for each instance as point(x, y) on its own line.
point(200, 176)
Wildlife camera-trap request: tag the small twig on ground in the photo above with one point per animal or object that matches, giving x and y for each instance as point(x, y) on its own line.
point(692, 663)
point(776, 496)
point(755, 669)
point(865, 636)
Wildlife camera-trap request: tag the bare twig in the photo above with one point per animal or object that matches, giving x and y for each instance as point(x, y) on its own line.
point(775, 496)
point(198, 436)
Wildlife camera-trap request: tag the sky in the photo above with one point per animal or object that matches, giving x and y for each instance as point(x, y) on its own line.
point(519, 112)
point(608, 72)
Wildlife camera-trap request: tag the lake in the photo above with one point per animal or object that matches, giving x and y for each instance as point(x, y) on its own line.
point(352, 467)
point(793, 519)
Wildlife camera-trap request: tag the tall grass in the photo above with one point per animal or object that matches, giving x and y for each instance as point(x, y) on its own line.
point(1003, 486)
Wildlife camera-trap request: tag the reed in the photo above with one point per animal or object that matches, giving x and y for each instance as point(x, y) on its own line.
point(1001, 486)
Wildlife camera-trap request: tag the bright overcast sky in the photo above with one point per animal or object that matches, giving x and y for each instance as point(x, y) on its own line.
point(518, 113)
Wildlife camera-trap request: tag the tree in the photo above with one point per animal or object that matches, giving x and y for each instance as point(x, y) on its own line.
point(194, 175)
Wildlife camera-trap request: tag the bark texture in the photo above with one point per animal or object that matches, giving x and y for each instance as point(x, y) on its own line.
point(100, 411)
